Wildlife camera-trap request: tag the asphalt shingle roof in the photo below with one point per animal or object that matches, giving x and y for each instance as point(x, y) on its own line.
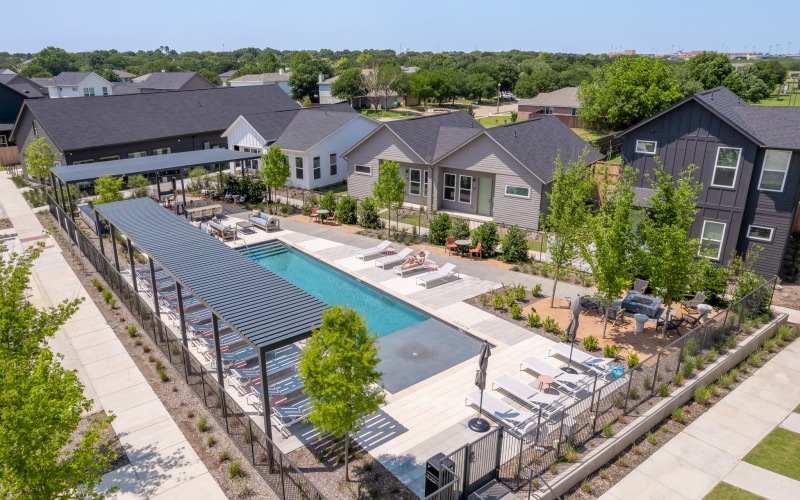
point(170, 80)
point(70, 78)
point(264, 77)
point(537, 142)
point(432, 137)
point(87, 123)
point(566, 97)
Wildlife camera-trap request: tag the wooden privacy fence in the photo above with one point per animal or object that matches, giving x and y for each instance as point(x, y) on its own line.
point(605, 171)
point(9, 155)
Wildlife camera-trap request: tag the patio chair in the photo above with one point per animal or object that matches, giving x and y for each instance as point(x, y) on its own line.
point(240, 199)
point(284, 417)
point(640, 286)
point(699, 298)
point(570, 382)
point(401, 271)
point(450, 245)
point(445, 272)
point(508, 416)
point(391, 260)
point(314, 215)
point(243, 385)
point(589, 304)
point(616, 313)
point(587, 360)
point(547, 403)
point(476, 251)
point(674, 323)
point(229, 358)
point(373, 251)
point(284, 387)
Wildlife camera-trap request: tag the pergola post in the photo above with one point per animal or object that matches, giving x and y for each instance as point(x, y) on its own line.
point(158, 186)
point(114, 246)
point(154, 288)
point(220, 377)
point(99, 232)
point(183, 193)
point(133, 266)
point(262, 364)
point(182, 315)
point(69, 197)
point(61, 188)
point(53, 183)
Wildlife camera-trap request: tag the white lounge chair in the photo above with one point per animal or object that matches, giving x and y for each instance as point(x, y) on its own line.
point(570, 382)
point(400, 271)
point(548, 403)
point(601, 365)
point(284, 387)
point(391, 260)
point(376, 250)
point(284, 417)
point(507, 415)
point(446, 271)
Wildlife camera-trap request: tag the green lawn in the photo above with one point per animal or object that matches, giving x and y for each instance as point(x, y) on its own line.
point(778, 453)
point(797, 410)
point(724, 491)
point(493, 121)
point(589, 135)
point(785, 100)
point(409, 219)
point(382, 113)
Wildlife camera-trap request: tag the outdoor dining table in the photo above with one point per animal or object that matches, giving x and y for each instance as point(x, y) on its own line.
point(213, 209)
point(463, 245)
point(324, 213)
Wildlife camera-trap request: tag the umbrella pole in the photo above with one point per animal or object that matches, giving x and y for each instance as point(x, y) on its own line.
point(479, 424)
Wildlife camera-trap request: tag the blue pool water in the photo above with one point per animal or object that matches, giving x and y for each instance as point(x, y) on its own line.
point(384, 314)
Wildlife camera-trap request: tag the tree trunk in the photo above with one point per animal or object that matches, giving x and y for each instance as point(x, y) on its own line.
point(605, 318)
point(555, 283)
point(666, 319)
point(346, 453)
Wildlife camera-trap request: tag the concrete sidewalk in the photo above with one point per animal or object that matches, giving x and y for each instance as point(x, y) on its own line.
point(710, 450)
point(163, 464)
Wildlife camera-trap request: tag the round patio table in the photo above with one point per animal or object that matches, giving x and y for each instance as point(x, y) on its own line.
point(545, 379)
point(462, 245)
point(322, 214)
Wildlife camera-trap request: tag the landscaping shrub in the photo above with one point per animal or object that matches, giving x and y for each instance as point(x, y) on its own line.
point(725, 380)
point(247, 434)
point(590, 343)
point(516, 311)
point(536, 290)
point(109, 298)
point(611, 351)
point(224, 455)
point(196, 177)
point(515, 245)
point(19, 181)
point(202, 423)
point(519, 293)
point(328, 201)
point(688, 368)
point(309, 202)
point(735, 374)
point(692, 347)
point(212, 440)
point(439, 229)
point(367, 214)
point(346, 210)
point(487, 235)
point(679, 415)
point(97, 284)
point(651, 438)
point(732, 341)
point(235, 469)
point(702, 395)
point(162, 374)
point(132, 330)
point(459, 229)
point(485, 299)
point(699, 361)
point(634, 393)
point(711, 355)
point(647, 383)
point(551, 326)
point(608, 430)
point(498, 302)
point(663, 390)
point(534, 320)
point(678, 380)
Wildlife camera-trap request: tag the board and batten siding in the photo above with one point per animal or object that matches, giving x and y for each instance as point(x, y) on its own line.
point(383, 145)
point(337, 143)
point(484, 155)
point(244, 137)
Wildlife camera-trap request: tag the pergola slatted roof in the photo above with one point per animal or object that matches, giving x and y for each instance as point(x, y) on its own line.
point(148, 164)
point(266, 310)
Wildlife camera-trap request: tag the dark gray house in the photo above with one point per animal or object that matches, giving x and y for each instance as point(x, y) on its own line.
point(749, 166)
point(14, 90)
point(452, 163)
point(128, 126)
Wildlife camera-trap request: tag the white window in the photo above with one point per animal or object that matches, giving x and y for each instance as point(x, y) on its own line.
point(3, 141)
point(425, 183)
point(105, 90)
point(317, 168)
point(88, 91)
point(109, 158)
point(465, 189)
point(415, 181)
point(363, 169)
point(332, 163)
point(760, 233)
point(162, 151)
point(449, 187)
point(646, 147)
point(138, 154)
point(773, 175)
point(518, 191)
point(74, 89)
point(548, 110)
point(725, 167)
point(206, 145)
point(298, 167)
point(711, 239)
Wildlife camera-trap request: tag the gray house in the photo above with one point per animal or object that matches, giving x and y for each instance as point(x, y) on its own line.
point(749, 167)
point(452, 163)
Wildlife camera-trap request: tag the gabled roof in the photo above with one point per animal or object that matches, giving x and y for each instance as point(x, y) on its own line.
point(535, 143)
point(228, 73)
point(123, 74)
point(432, 137)
point(767, 126)
point(26, 90)
point(264, 77)
point(70, 78)
point(122, 88)
point(118, 119)
point(168, 80)
point(566, 97)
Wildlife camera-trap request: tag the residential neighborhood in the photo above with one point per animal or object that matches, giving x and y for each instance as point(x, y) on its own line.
point(368, 253)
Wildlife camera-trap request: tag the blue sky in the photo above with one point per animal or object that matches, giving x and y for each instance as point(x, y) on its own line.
point(443, 25)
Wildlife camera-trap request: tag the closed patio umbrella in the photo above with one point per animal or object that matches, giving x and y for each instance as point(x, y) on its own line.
point(478, 424)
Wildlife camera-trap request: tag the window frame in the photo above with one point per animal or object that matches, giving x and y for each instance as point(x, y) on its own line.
point(425, 183)
point(316, 165)
point(108, 158)
point(735, 169)
point(640, 152)
point(88, 92)
point(549, 110)
point(445, 187)
point(3, 141)
point(333, 166)
point(160, 151)
point(460, 189)
point(511, 195)
point(411, 181)
point(105, 90)
point(764, 168)
point(299, 167)
point(82, 162)
point(702, 238)
point(367, 167)
point(137, 154)
point(756, 238)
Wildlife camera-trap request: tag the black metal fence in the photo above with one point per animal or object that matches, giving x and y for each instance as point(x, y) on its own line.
point(504, 455)
point(282, 476)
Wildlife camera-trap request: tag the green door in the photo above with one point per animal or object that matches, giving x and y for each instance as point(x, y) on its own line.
point(485, 196)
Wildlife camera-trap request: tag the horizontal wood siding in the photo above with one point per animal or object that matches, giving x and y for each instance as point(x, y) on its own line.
point(337, 143)
point(383, 145)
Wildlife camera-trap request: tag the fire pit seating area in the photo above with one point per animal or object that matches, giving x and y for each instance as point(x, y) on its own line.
point(265, 221)
point(639, 303)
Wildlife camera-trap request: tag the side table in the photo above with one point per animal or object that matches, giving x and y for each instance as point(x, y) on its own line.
point(545, 379)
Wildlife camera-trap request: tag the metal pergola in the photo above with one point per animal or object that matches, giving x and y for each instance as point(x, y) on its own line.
point(267, 311)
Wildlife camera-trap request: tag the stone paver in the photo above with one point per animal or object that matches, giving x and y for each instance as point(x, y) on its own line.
point(763, 482)
point(792, 423)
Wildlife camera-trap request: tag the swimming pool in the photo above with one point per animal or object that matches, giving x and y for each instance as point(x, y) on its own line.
point(384, 314)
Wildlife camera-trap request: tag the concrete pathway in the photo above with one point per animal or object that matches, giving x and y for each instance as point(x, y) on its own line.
point(711, 449)
point(163, 464)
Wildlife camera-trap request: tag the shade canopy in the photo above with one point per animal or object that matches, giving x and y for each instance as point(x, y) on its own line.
point(266, 310)
point(86, 172)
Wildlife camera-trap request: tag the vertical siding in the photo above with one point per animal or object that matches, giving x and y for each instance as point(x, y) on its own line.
point(384, 145)
point(244, 136)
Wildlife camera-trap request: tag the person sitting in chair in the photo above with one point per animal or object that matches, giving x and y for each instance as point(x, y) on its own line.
point(413, 260)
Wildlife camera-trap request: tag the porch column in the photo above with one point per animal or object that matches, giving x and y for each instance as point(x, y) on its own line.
point(114, 246)
point(133, 266)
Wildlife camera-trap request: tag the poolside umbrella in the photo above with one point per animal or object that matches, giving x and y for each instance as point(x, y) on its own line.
point(478, 424)
point(572, 328)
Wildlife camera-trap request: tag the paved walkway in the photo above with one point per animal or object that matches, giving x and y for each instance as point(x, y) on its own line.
point(163, 464)
point(711, 449)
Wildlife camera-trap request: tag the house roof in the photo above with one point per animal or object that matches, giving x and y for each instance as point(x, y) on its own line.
point(228, 73)
point(118, 119)
point(264, 77)
point(768, 126)
point(122, 88)
point(43, 82)
point(329, 81)
point(566, 97)
point(27, 90)
point(70, 78)
point(535, 143)
point(123, 74)
point(167, 80)
point(433, 137)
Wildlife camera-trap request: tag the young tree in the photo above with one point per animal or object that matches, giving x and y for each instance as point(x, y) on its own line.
point(139, 185)
point(338, 369)
point(710, 69)
point(610, 254)
point(568, 213)
point(348, 86)
point(371, 84)
point(108, 189)
point(39, 159)
point(274, 169)
point(670, 255)
point(41, 403)
point(390, 188)
point(390, 80)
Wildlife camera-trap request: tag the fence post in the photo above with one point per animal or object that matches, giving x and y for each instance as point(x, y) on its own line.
point(597, 410)
point(498, 452)
point(465, 476)
point(655, 375)
point(628, 392)
point(283, 478)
